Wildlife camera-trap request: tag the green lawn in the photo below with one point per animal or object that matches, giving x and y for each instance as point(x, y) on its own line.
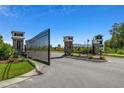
point(57, 51)
point(114, 55)
point(8, 71)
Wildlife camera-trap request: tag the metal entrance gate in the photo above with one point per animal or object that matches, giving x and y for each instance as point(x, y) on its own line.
point(38, 47)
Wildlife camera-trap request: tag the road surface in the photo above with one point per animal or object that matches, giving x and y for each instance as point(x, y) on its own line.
point(69, 73)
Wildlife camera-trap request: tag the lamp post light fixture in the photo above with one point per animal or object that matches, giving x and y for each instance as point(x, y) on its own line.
point(87, 46)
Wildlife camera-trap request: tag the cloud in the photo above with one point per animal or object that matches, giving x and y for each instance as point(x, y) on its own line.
point(63, 9)
point(5, 11)
point(13, 10)
point(16, 10)
point(19, 10)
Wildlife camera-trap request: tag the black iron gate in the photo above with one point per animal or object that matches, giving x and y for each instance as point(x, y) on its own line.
point(38, 47)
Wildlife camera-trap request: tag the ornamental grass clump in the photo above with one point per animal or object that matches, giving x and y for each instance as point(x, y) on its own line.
point(102, 57)
point(90, 56)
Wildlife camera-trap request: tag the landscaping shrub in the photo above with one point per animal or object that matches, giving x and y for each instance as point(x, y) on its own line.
point(110, 50)
point(102, 57)
point(6, 50)
point(120, 51)
point(22, 60)
point(90, 56)
point(11, 59)
point(79, 54)
point(57, 49)
point(72, 54)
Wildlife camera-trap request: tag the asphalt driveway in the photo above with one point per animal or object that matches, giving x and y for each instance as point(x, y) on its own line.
point(67, 72)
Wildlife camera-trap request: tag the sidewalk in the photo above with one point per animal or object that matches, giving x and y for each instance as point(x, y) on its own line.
point(38, 70)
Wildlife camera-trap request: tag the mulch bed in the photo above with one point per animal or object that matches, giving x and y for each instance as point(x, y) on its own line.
point(7, 62)
point(86, 59)
point(4, 62)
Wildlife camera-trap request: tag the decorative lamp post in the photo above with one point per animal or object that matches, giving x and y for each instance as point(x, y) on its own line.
point(87, 46)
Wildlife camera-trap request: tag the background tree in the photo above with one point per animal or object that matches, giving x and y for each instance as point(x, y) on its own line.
point(1, 39)
point(6, 50)
point(116, 43)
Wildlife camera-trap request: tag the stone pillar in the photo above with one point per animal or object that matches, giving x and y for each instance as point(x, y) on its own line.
point(68, 45)
point(18, 41)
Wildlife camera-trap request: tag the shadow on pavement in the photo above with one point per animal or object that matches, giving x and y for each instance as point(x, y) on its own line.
point(58, 57)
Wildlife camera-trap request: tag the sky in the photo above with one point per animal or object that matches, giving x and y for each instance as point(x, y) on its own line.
point(81, 22)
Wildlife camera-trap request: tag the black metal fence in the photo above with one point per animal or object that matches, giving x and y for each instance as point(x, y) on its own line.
point(38, 47)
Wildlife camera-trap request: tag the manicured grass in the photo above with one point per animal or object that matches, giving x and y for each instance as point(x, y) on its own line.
point(8, 71)
point(57, 51)
point(114, 55)
point(75, 54)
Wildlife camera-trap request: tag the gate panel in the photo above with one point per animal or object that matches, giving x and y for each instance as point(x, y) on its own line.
point(38, 47)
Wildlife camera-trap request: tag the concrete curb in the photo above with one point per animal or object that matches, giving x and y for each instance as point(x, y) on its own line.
point(86, 59)
point(38, 66)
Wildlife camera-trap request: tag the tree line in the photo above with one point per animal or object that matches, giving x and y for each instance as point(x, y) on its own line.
point(116, 43)
point(6, 50)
